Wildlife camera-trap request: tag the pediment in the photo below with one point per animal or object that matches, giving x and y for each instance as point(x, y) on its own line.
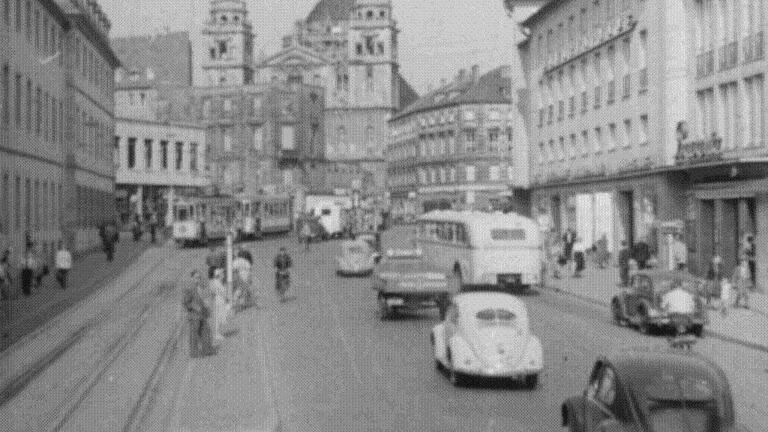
point(295, 56)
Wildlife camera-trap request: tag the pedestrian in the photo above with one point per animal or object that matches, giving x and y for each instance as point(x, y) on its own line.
point(108, 242)
point(555, 252)
point(306, 233)
point(749, 252)
point(153, 226)
point(136, 227)
point(741, 283)
point(242, 279)
point(220, 303)
point(216, 259)
point(725, 295)
point(283, 265)
point(601, 252)
point(624, 263)
point(28, 266)
point(5, 276)
point(197, 317)
point(63, 264)
point(679, 253)
point(579, 249)
point(569, 238)
point(714, 275)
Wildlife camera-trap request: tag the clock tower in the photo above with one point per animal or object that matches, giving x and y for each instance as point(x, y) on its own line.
point(228, 37)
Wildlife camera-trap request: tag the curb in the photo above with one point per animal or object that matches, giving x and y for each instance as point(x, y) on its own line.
point(710, 333)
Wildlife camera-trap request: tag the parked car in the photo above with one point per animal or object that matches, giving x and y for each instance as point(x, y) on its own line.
point(652, 391)
point(357, 258)
point(662, 299)
point(405, 281)
point(487, 334)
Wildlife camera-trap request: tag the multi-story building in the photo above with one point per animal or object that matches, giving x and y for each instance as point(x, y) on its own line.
point(460, 146)
point(607, 83)
point(725, 153)
point(154, 161)
point(646, 119)
point(349, 47)
point(88, 196)
point(56, 121)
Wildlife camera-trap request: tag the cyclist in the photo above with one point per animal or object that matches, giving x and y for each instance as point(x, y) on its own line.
point(282, 275)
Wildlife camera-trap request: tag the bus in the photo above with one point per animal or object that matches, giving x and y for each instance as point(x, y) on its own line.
point(483, 249)
point(198, 220)
point(261, 214)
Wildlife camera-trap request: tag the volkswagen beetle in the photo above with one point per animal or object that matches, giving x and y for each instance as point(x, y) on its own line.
point(357, 258)
point(653, 391)
point(486, 334)
point(661, 299)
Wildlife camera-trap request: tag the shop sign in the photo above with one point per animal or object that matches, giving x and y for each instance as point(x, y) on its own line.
point(670, 226)
point(695, 151)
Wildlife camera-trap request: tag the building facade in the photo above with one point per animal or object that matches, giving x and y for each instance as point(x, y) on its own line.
point(349, 48)
point(55, 121)
point(461, 146)
point(155, 161)
point(646, 120)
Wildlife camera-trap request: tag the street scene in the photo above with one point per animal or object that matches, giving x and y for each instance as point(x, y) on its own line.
point(383, 215)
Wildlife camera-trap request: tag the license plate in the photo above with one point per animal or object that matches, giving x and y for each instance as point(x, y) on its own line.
point(395, 302)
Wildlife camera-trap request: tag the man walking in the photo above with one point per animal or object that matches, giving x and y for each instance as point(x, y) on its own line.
point(282, 275)
point(63, 265)
point(28, 266)
point(306, 234)
point(108, 241)
point(624, 263)
point(197, 316)
point(153, 226)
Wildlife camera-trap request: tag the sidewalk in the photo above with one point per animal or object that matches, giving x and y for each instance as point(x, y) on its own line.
point(742, 326)
point(228, 391)
point(89, 272)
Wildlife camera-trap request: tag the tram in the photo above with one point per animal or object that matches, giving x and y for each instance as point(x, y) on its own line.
point(198, 220)
point(263, 214)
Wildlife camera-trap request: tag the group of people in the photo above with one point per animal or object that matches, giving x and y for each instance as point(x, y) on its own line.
point(137, 226)
point(209, 305)
point(32, 270)
point(740, 282)
point(567, 253)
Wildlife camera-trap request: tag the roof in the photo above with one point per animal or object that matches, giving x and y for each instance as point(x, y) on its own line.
point(168, 56)
point(331, 10)
point(407, 94)
point(493, 87)
point(481, 300)
point(483, 218)
point(541, 12)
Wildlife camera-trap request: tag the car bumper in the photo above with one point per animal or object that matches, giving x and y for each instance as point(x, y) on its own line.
point(354, 271)
point(677, 321)
point(500, 371)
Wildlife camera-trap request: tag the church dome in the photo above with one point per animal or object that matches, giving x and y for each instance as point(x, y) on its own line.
point(331, 10)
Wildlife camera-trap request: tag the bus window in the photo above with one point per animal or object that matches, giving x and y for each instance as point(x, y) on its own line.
point(181, 213)
point(508, 234)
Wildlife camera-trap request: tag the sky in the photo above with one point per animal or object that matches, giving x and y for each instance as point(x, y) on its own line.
point(438, 37)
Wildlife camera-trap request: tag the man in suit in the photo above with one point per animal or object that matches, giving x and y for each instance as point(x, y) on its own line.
point(197, 316)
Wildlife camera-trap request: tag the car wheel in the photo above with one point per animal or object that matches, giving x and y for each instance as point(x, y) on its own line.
point(532, 381)
point(618, 318)
point(698, 331)
point(644, 327)
point(384, 310)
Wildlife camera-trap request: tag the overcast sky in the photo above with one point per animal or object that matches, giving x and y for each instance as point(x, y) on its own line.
point(437, 36)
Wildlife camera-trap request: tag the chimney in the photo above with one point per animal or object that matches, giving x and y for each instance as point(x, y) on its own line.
point(475, 70)
point(462, 75)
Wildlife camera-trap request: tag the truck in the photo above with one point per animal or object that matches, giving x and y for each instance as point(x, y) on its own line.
point(403, 280)
point(328, 210)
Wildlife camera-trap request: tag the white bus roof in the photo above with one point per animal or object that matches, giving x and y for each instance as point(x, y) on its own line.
point(479, 224)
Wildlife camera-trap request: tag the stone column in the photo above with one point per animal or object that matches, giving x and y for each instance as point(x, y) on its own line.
point(761, 241)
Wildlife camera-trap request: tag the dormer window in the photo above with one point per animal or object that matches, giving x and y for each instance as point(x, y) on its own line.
point(382, 14)
point(223, 19)
point(369, 15)
point(236, 18)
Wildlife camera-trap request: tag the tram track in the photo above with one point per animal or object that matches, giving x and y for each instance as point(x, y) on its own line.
point(17, 384)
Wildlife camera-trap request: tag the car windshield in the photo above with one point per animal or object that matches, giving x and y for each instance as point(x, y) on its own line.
point(679, 401)
point(499, 316)
point(677, 416)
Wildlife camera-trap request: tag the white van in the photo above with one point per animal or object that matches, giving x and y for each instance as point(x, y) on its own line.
point(483, 248)
point(328, 210)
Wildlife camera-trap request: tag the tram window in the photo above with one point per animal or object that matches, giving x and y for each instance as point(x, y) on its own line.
point(181, 214)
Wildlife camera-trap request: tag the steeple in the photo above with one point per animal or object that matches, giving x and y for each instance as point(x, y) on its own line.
point(228, 36)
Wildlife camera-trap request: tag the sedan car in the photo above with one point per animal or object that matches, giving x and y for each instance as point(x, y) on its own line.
point(652, 391)
point(357, 258)
point(657, 299)
point(486, 334)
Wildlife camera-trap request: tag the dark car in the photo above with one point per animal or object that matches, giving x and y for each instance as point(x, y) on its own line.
point(653, 391)
point(662, 299)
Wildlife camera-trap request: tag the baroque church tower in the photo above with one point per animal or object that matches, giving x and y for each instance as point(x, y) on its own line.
point(228, 35)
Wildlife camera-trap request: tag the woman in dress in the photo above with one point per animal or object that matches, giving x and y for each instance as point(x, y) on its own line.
point(220, 303)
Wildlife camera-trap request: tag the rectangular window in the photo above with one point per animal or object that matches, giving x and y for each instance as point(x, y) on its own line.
point(494, 173)
point(29, 106)
point(193, 157)
point(627, 136)
point(37, 30)
point(54, 120)
point(561, 149)
point(17, 100)
point(28, 20)
point(36, 201)
point(179, 155)
point(584, 143)
point(612, 136)
point(148, 154)
point(131, 153)
point(164, 154)
point(6, 88)
point(574, 147)
point(642, 133)
point(17, 203)
point(27, 204)
point(470, 173)
point(258, 138)
point(597, 140)
point(5, 198)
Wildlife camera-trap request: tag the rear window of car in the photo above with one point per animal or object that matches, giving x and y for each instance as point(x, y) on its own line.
point(507, 234)
point(495, 317)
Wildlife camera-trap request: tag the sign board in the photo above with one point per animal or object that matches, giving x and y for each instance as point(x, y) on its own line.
point(695, 151)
